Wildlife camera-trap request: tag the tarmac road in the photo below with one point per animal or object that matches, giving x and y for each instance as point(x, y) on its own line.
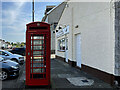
point(14, 82)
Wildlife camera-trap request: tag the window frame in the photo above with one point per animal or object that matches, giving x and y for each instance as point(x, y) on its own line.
point(61, 44)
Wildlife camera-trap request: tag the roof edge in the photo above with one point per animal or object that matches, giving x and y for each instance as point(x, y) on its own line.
point(36, 22)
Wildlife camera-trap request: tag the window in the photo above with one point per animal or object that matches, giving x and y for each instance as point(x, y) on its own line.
point(16, 49)
point(55, 26)
point(61, 44)
point(3, 53)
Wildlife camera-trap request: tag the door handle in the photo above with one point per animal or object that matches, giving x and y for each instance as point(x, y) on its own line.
point(28, 53)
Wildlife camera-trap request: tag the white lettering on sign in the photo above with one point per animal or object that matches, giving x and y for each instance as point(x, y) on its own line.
point(62, 32)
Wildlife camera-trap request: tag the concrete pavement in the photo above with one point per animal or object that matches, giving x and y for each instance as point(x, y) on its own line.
point(63, 76)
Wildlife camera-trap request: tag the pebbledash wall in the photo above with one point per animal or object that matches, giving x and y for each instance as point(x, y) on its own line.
point(94, 23)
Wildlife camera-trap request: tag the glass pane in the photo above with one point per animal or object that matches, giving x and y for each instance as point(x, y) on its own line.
point(31, 42)
point(37, 53)
point(38, 70)
point(31, 37)
point(31, 59)
point(38, 42)
point(37, 58)
point(38, 64)
point(37, 47)
point(38, 37)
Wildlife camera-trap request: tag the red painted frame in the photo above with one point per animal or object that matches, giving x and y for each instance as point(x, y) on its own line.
point(29, 32)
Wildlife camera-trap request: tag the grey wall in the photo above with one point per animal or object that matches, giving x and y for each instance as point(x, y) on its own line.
point(117, 38)
point(54, 16)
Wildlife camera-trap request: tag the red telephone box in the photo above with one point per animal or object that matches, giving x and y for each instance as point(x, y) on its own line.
point(38, 54)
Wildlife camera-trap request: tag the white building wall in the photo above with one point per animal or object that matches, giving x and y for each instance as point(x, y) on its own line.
point(96, 25)
point(97, 36)
point(65, 20)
